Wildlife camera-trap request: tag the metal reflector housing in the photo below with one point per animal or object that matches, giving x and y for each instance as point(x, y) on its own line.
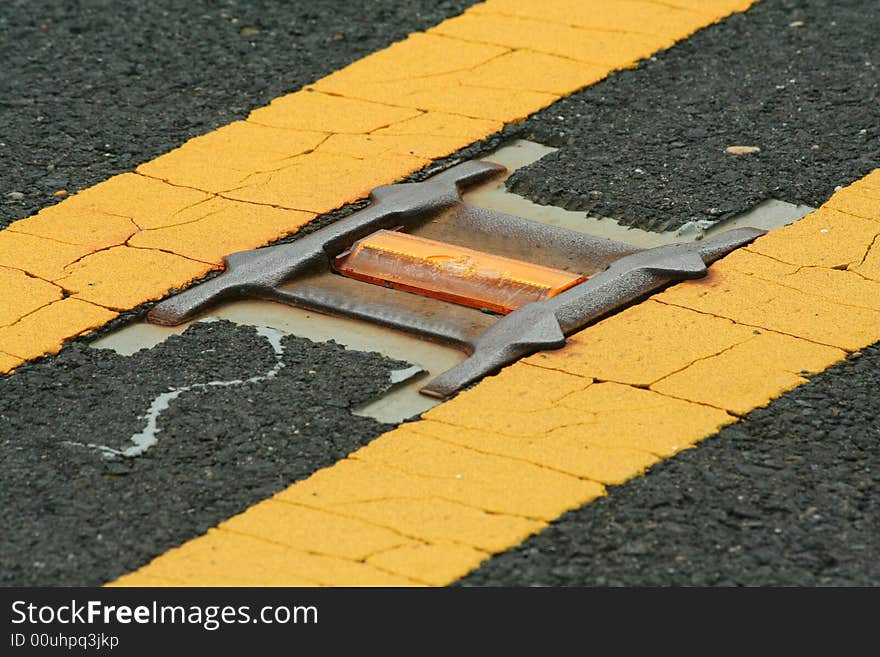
point(451, 273)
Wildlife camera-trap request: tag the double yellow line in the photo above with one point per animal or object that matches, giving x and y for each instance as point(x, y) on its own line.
point(427, 502)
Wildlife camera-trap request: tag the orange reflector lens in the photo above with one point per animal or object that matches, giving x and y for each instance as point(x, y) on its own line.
point(451, 273)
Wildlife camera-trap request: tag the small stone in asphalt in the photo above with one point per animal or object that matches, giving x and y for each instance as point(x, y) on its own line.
point(742, 150)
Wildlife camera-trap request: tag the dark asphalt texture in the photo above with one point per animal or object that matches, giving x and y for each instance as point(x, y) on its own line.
point(647, 146)
point(169, 71)
point(75, 516)
point(786, 497)
point(93, 88)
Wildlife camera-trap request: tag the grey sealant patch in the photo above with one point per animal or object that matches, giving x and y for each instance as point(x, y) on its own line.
point(402, 400)
point(399, 376)
point(148, 436)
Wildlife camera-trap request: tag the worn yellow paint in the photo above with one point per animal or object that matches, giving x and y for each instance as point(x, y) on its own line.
point(309, 110)
point(565, 450)
point(8, 362)
point(226, 158)
point(419, 57)
point(37, 256)
point(123, 276)
point(642, 420)
point(154, 581)
point(294, 525)
point(869, 267)
point(607, 49)
point(764, 304)
point(226, 558)
point(434, 468)
point(433, 492)
point(626, 16)
point(434, 564)
point(536, 72)
point(869, 186)
point(837, 285)
point(37, 334)
point(826, 238)
point(319, 182)
point(233, 226)
point(440, 124)
point(512, 415)
point(20, 292)
point(434, 72)
point(77, 224)
point(858, 201)
point(715, 8)
point(147, 202)
point(451, 94)
point(371, 147)
point(750, 374)
point(633, 346)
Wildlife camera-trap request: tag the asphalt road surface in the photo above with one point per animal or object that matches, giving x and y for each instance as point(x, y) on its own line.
point(783, 497)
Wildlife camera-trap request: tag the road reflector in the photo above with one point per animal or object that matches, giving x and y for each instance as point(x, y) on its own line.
point(451, 273)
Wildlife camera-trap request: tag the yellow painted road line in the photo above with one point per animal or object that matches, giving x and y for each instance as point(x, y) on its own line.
point(427, 502)
point(74, 266)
